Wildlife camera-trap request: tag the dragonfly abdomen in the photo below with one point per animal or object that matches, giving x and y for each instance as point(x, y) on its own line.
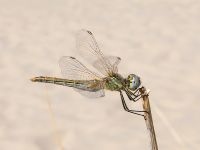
point(88, 85)
point(53, 80)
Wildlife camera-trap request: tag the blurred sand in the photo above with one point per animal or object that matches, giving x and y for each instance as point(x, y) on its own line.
point(158, 40)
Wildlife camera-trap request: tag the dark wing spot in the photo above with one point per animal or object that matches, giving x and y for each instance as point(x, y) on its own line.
point(89, 32)
point(72, 58)
point(119, 58)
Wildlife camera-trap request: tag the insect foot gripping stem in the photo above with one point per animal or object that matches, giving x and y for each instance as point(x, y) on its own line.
point(144, 91)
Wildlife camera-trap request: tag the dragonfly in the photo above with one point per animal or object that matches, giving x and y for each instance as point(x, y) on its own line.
point(92, 84)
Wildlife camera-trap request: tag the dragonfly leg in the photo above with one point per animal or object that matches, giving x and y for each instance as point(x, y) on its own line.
point(135, 98)
point(130, 92)
point(136, 92)
point(127, 109)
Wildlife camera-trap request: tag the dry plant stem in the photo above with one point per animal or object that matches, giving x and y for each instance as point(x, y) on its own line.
point(54, 124)
point(148, 118)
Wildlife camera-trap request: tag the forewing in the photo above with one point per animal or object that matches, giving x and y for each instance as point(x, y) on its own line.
point(72, 69)
point(88, 48)
point(109, 59)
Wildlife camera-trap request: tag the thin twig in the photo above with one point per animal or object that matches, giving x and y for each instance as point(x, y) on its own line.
point(148, 118)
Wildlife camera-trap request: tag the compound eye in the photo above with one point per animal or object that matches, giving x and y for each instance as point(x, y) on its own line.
point(133, 80)
point(130, 76)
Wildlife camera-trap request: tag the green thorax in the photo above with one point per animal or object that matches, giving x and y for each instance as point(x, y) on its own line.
point(114, 83)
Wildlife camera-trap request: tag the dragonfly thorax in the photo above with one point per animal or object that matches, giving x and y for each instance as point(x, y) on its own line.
point(133, 82)
point(114, 83)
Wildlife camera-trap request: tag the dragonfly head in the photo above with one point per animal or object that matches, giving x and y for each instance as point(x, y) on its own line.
point(133, 81)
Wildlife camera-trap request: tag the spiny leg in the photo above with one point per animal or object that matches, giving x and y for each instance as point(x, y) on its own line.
point(128, 91)
point(126, 108)
point(135, 92)
point(135, 98)
point(129, 96)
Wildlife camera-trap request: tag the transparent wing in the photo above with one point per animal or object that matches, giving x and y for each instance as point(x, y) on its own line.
point(90, 94)
point(88, 48)
point(108, 59)
point(72, 69)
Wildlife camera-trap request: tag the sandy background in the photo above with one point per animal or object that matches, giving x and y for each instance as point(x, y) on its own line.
point(156, 39)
